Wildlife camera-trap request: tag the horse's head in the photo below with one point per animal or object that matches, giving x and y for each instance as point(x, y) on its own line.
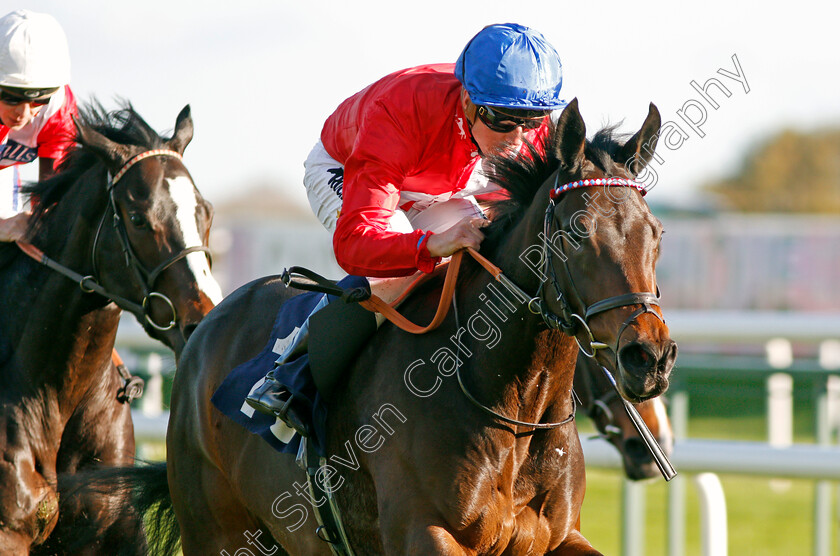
point(601, 245)
point(155, 227)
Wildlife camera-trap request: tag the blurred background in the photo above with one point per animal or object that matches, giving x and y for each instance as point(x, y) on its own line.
point(746, 182)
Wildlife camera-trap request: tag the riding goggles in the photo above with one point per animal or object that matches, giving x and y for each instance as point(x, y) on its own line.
point(38, 97)
point(502, 121)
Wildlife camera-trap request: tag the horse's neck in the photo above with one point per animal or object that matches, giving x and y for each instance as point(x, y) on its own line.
point(509, 356)
point(515, 355)
point(518, 246)
point(57, 330)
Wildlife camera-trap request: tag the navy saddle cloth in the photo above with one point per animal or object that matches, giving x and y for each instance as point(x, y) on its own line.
point(296, 375)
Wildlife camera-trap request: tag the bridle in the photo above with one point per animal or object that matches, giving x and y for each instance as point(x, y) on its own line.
point(146, 278)
point(568, 321)
point(571, 323)
point(601, 406)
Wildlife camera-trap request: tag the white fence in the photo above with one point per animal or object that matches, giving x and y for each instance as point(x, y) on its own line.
point(798, 461)
point(707, 458)
point(752, 326)
point(686, 326)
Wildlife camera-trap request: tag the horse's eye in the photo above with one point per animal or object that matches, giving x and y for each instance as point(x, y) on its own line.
point(137, 219)
point(566, 231)
point(571, 233)
point(574, 234)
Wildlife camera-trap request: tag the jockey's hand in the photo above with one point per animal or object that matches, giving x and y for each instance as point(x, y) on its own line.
point(14, 227)
point(466, 233)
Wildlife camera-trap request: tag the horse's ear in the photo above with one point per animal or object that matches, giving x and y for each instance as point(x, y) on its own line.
point(570, 137)
point(637, 152)
point(183, 131)
point(113, 154)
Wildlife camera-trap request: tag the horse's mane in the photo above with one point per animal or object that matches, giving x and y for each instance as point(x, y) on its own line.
point(123, 126)
point(522, 174)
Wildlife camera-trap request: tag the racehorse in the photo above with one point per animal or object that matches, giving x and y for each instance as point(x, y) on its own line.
point(601, 403)
point(125, 219)
point(416, 465)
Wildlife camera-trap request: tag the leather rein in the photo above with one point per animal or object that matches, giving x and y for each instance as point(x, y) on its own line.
point(91, 283)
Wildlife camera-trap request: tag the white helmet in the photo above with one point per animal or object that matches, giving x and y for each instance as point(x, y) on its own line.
point(33, 51)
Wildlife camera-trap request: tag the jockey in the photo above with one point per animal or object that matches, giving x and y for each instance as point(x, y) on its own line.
point(398, 165)
point(36, 107)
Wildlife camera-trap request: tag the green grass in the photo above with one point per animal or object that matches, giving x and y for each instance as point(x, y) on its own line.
point(730, 404)
point(763, 520)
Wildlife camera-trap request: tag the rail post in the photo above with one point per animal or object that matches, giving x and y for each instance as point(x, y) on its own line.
point(676, 488)
point(713, 527)
point(822, 489)
point(780, 410)
point(153, 396)
point(633, 518)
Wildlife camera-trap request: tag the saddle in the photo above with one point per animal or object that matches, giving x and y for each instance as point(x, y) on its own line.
point(346, 313)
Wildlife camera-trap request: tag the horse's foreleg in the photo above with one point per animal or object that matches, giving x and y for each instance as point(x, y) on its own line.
point(98, 435)
point(574, 545)
point(124, 534)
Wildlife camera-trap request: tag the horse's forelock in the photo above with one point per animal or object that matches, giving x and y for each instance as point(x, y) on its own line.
point(602, 149)
point(522, 174)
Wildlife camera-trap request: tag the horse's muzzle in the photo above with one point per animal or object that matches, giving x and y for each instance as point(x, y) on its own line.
point(644, 369)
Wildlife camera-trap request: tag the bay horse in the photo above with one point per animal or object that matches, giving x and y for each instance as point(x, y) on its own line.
point(124, 214)
point(415, 465)
point(599, 400)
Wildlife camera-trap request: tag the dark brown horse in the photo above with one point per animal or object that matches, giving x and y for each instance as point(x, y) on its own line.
point(415, 466)
point(136, 228)
point(601, 403)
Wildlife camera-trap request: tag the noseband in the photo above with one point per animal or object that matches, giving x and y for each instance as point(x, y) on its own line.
point(568, 321)
point(145, 277)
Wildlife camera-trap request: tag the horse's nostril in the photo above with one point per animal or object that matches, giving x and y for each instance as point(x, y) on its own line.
point(636, 356)
point(670, 355)
point(636, 450)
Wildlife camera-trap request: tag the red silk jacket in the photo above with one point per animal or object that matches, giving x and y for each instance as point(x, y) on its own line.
point(402, 139)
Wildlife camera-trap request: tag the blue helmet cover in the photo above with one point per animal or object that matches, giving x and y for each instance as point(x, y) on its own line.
point(511, 66)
